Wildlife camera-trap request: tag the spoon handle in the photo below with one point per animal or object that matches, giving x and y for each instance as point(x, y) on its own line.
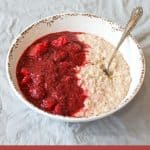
point(135, 16)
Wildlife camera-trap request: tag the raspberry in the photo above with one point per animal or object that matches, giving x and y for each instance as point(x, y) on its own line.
point(48, 103)
point(75, 47)
point(60, 56)
point(55, 95)
point(62, 40)
point(26, 76)
point(37, 79)
point(37, 89)
point(58, 109)
point(36, 92)
point(26, 79)
point(24, 71)
point(38, 49)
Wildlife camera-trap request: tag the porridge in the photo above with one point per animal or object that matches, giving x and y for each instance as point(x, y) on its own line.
point(62, 73)
point(104, 93)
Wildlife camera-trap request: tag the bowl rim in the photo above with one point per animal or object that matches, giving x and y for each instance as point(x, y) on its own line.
point(65, 118)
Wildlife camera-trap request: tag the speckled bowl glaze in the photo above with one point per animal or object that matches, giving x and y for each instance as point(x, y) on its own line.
point(88, 23)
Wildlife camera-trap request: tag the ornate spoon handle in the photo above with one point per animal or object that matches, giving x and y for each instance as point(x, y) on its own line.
point(135, 16)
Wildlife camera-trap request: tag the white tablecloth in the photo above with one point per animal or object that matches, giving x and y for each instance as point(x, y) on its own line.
point(21, 125)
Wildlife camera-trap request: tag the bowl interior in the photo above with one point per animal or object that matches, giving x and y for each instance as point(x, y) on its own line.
point(79, 23)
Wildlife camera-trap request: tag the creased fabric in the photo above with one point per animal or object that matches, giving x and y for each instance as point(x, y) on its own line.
point(21, 125)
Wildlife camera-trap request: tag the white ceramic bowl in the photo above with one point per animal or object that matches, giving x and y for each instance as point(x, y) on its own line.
point(88, 23)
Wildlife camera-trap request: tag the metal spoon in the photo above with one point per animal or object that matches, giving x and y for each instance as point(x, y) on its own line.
point(135, 16)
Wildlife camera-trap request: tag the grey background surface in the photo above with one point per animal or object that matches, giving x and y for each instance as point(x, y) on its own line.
point(21, 125)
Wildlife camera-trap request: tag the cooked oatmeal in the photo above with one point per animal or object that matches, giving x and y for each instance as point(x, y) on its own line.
point(104, 93)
